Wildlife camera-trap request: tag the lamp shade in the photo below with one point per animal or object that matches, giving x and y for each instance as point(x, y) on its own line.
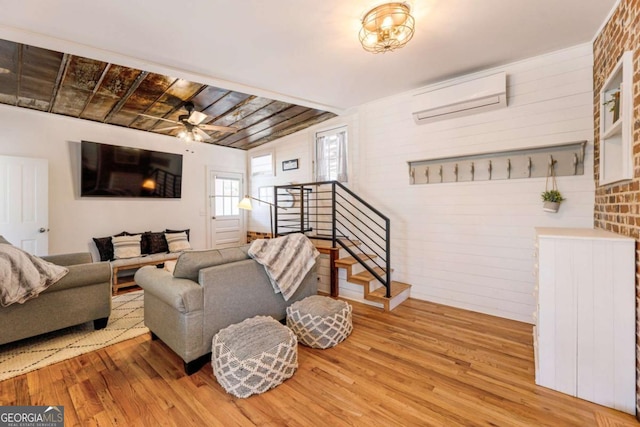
point(386, 27)
point(245, 204)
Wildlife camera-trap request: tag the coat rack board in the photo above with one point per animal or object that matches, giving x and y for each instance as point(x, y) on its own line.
point(567, 159)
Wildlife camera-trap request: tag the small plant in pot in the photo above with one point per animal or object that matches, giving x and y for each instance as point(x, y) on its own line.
point(552, 200)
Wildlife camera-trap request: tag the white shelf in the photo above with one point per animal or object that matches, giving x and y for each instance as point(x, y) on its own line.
point(616, 155)
point(613, 130)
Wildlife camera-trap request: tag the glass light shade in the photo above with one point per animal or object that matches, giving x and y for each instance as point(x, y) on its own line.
point(386, 27)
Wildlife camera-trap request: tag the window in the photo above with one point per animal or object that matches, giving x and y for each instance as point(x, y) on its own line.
point(266, 194)
point(227, 196)
point(262, 164)
point(331, 155)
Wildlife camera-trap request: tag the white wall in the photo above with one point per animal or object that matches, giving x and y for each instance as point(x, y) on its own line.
point(470, 245)
point(73, 221)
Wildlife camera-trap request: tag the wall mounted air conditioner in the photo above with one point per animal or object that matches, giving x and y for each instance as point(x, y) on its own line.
point(461, 99)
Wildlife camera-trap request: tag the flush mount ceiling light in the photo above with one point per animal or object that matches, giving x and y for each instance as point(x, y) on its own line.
point(386, 27)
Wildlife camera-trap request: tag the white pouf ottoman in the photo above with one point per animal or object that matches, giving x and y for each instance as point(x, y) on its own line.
point(254, 356)
point(320, 322)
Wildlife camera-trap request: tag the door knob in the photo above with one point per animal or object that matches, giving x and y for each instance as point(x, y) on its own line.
point(43, 230)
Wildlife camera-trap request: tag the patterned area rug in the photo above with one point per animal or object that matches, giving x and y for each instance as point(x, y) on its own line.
point(126, 321)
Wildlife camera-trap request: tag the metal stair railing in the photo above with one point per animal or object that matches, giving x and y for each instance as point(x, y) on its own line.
point(328, 210)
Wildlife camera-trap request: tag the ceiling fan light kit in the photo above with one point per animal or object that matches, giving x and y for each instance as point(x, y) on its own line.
point(386, 27)
point(191, 125)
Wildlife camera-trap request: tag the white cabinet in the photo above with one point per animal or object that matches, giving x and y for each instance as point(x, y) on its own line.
point(616, 114)
point(584, 336)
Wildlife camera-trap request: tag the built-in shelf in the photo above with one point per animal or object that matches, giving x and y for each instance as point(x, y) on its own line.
point(616, 109)
point(614, 130)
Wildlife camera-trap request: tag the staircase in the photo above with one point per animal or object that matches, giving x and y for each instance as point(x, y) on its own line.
point(353, 233)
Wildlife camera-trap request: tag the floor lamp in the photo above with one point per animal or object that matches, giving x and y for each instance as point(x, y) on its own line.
point(246, 205)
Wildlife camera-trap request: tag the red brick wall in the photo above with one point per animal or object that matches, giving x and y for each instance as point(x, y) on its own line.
point(617, 206)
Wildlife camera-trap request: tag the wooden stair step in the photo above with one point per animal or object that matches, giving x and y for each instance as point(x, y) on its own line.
point(350, 261)
point(349, 242)
point(364, 278)
point(399, 292)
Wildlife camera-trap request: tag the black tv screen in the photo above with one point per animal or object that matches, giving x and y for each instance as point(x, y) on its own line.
point(115, 171)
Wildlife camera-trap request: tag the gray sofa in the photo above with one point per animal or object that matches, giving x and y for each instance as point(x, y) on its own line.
point(208, 291)
point(83, 295)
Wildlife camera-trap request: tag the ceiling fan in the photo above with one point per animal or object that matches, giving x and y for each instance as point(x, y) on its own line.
point(191, 125)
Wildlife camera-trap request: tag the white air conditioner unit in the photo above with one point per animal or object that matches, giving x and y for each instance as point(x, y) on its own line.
point(470, 97)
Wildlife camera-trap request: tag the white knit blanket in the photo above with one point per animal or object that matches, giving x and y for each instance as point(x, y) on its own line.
point(24, 276)
point(286, 260)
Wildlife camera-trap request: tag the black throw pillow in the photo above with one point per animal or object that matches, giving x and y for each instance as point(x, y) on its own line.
point(156, 242)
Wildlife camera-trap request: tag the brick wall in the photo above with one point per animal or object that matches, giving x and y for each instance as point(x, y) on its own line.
point(254, 235)
point(617, 206)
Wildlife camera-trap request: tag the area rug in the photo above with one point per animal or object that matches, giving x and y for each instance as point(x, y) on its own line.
point(126, 321)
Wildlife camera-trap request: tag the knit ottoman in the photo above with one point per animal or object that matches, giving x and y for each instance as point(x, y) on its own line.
point(320, 322)
point(254, 356)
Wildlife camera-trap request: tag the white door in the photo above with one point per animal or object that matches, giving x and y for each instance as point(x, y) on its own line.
point(24, 203)
point(226, 222)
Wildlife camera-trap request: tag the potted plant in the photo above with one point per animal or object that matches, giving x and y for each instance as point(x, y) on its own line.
point(552, 199)
point(614, 105)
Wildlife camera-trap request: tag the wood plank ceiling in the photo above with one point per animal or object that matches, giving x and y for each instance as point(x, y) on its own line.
point(60, 83)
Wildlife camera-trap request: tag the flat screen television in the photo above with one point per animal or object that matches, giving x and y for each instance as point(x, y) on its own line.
point(115, 171)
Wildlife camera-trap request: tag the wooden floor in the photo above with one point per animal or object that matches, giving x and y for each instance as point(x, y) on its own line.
point(420, 365)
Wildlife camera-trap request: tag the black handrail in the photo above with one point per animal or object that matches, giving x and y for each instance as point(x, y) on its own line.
point(351, 218)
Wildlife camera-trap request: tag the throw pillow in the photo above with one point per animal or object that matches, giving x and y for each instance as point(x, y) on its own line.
point(145, 243)
point(157, 243)
point(177, 242)
point(126, 246)
point(105, 247)
point(178, 231)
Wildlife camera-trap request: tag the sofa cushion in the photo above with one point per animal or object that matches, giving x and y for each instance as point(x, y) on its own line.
point(105, 247)
point(126, 246)
point(190, 263)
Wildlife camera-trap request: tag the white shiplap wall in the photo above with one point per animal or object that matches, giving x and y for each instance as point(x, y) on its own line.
point(470, 245)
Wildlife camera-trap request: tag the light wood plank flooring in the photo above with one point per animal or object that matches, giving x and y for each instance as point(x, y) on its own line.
point(421, 365)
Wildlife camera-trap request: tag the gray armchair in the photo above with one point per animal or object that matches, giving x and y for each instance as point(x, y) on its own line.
point(83, 295)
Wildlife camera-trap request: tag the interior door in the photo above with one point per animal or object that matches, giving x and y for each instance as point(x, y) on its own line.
point(24, 203)
point(226, 222)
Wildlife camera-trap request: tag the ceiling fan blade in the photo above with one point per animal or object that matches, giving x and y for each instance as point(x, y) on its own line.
point(202, 134)
point(197, 117)
point(169, 128)
point(226, 129)
point(157, 118)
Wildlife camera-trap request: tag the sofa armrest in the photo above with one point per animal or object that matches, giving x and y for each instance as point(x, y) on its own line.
point(83, 275)
point(69, 259)
point(183, 294)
